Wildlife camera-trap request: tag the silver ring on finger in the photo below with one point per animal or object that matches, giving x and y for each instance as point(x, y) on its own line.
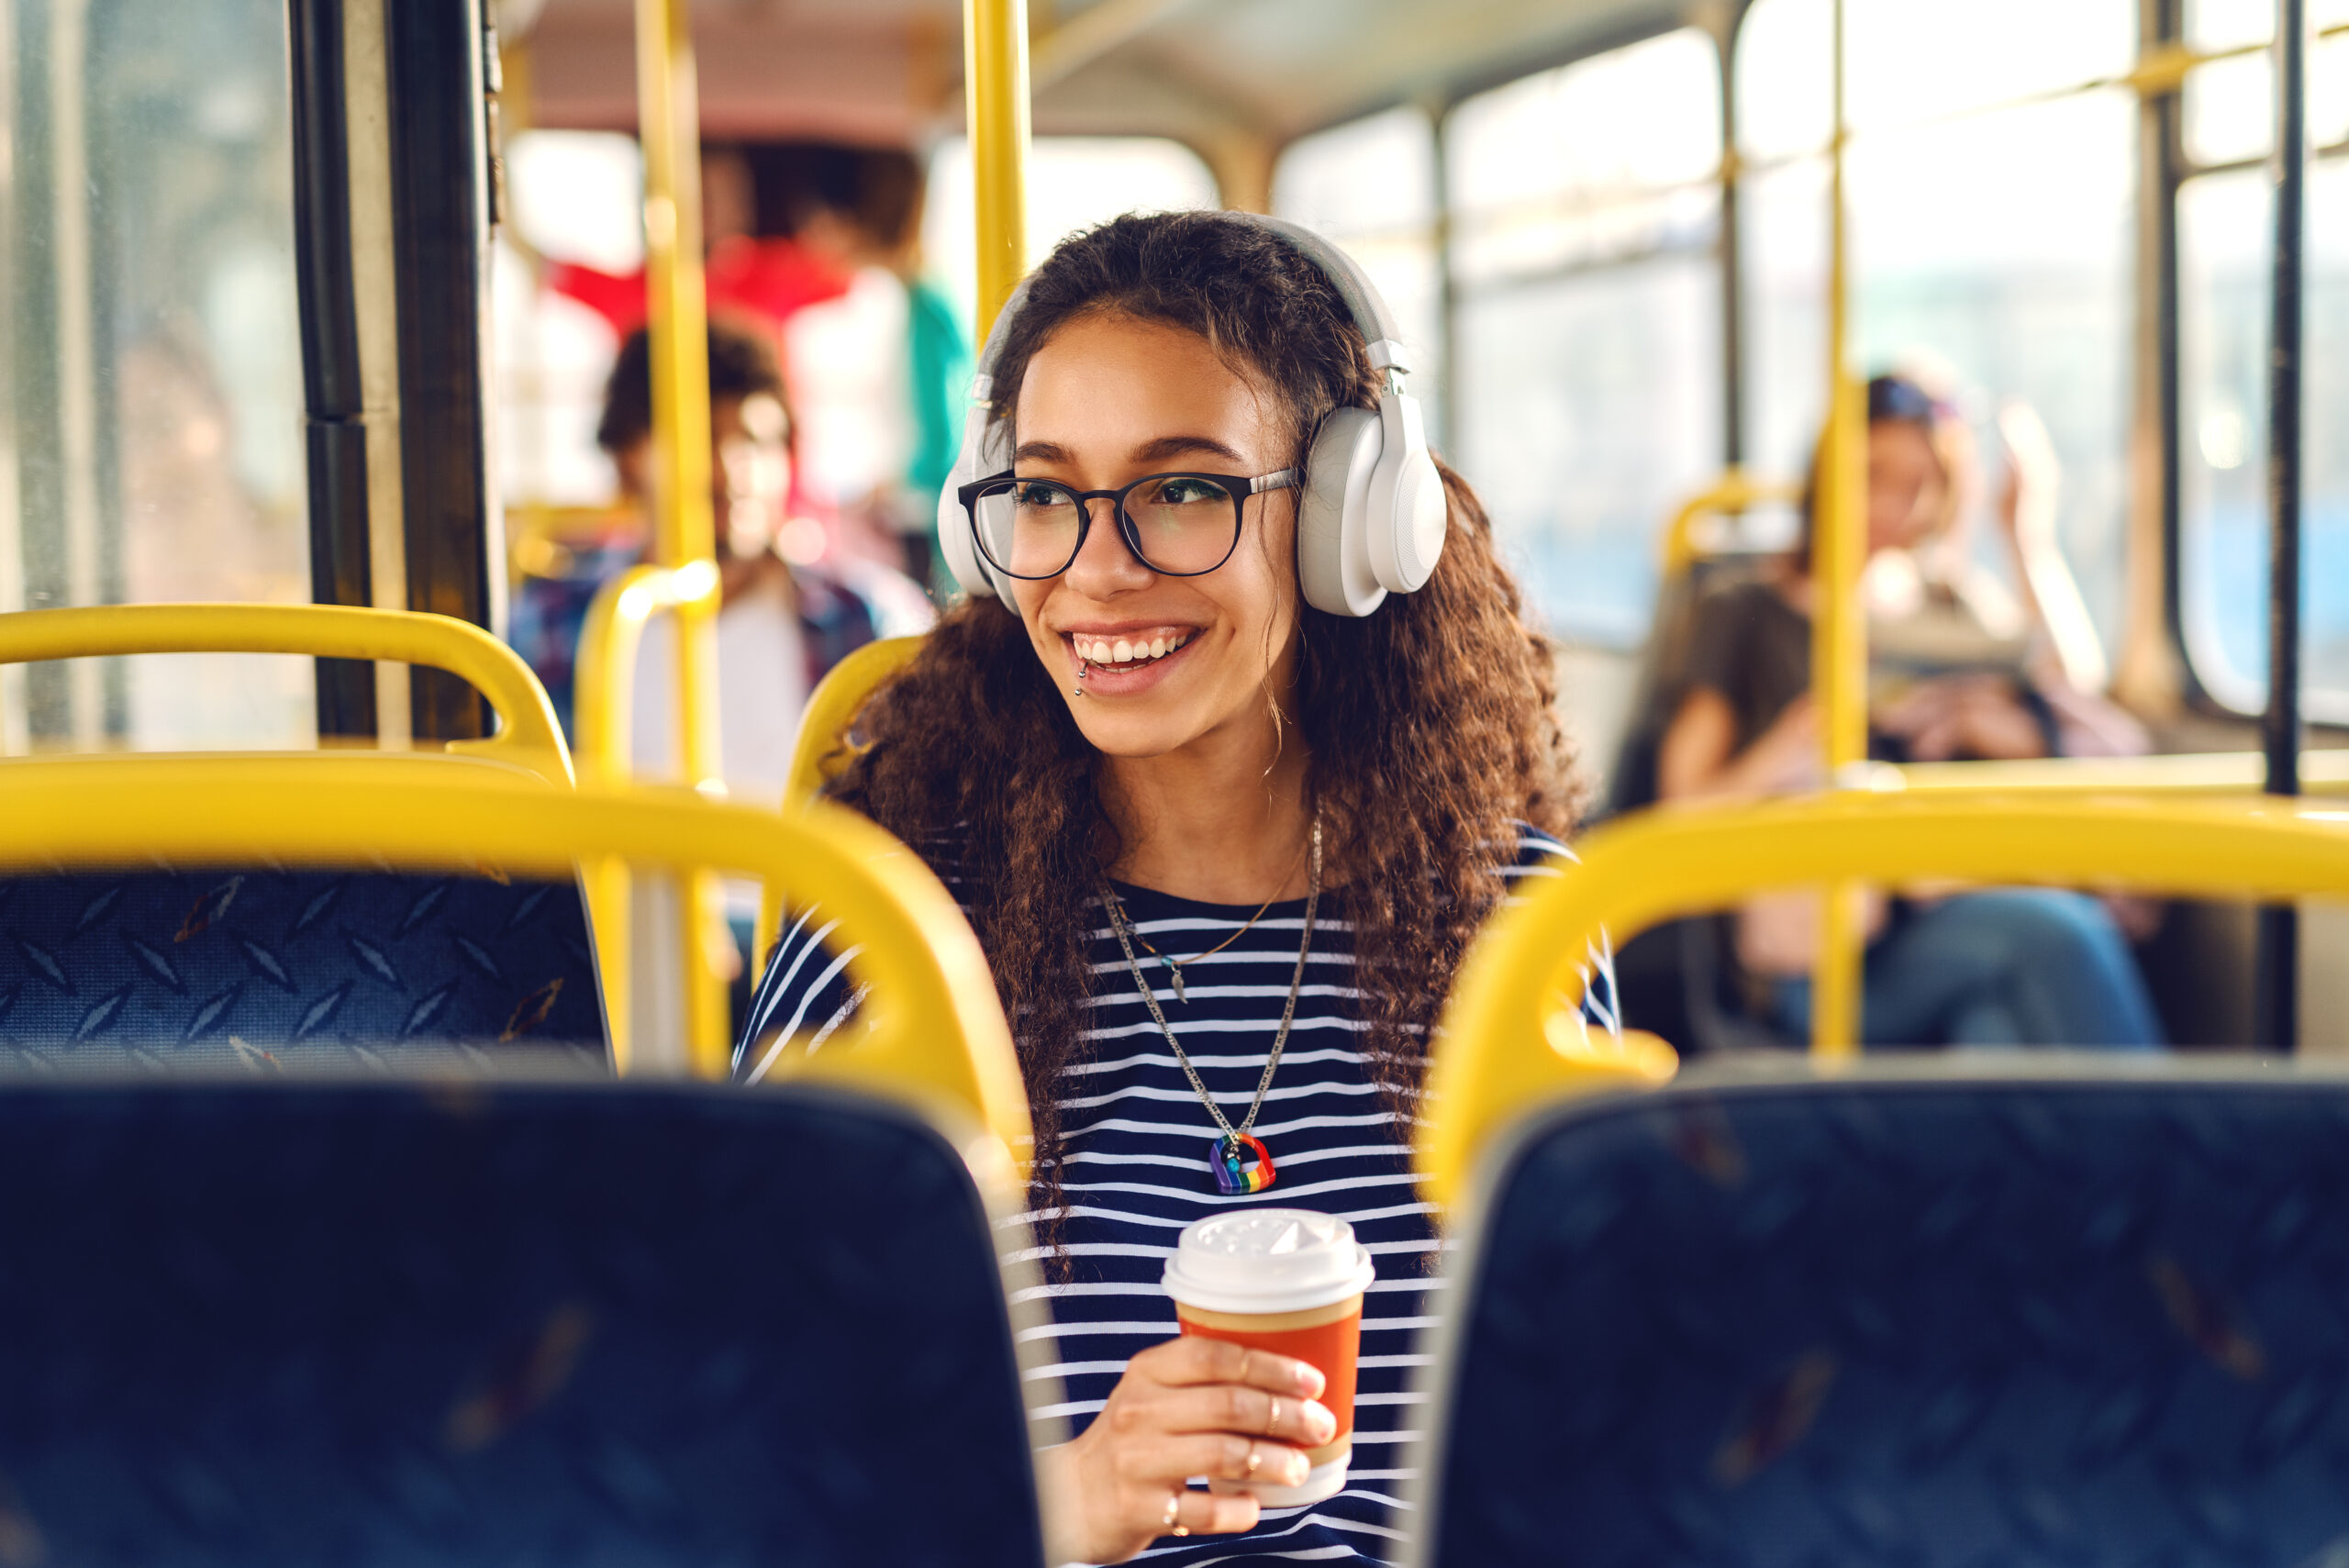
point(1175, 1507)
point(1256, 1457)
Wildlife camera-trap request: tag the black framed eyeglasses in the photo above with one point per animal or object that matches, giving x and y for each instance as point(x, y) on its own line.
point(1178, 525)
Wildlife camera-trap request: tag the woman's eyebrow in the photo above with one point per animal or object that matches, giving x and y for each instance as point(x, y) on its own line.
point(1165, 447)
point(1041, 452)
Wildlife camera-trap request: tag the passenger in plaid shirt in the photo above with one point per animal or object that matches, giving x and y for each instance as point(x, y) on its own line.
point(781, 624)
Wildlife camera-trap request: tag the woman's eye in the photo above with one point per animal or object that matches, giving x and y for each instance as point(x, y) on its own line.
point(1036, 493)
point(1186, 492)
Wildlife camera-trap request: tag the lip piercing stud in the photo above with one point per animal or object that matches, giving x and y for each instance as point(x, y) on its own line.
point(1084, 668)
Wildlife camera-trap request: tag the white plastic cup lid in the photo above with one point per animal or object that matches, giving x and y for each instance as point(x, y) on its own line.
point(1268, 1259)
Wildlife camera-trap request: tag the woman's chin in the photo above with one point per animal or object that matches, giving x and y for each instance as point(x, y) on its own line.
point(1133, 734)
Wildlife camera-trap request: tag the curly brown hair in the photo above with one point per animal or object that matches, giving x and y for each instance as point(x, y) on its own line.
point(1428, 726)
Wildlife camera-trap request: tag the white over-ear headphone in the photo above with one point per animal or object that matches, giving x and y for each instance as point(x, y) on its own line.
point(1371, 515)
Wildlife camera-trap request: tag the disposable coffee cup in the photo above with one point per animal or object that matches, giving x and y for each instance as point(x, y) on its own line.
point(1289, 1281)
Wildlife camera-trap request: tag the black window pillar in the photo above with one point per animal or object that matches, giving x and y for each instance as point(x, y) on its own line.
point(333, 395)
point(438, 80)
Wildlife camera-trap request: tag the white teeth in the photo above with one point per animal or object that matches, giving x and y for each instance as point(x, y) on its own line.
point(1102, 651)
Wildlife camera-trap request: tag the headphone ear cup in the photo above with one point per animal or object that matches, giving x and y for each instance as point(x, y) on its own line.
point(954, 541)
point(1409, 511)
point(1333, 557)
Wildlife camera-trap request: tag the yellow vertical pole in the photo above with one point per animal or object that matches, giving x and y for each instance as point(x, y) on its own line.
point(669, 122)
point(994, 86)
point(1839, 636)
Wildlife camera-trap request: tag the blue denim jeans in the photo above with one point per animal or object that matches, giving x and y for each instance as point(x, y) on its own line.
point(2012, 966)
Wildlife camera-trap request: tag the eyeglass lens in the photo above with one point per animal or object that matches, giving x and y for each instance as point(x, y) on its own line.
point(1184, 524)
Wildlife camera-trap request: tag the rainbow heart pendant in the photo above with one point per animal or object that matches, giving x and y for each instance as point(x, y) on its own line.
point(1230, 1176)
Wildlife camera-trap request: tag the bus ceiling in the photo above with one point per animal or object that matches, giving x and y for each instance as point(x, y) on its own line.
point(1200, 71)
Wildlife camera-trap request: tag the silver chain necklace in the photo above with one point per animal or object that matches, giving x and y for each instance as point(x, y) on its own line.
point(1226, 1150)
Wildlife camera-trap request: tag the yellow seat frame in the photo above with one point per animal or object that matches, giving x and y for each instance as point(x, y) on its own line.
point(1512, 1035)
point(822, 749)
point(938, 1037)
point(527, 737)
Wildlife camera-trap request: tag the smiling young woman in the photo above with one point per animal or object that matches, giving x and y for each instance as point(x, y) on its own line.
point(1224, 851)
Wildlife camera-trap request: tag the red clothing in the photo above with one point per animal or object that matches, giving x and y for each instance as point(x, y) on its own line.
point(769, 278)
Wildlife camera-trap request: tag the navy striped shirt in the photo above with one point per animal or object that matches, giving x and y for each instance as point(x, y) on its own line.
point(1135, 1146)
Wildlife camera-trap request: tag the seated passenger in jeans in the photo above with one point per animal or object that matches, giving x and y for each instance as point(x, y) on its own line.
point(1996, 967)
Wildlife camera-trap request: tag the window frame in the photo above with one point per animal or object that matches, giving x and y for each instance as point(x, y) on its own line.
point(1724, 248)
point(2320, 708)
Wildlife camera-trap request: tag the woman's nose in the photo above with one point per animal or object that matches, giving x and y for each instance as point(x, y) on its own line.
point(1104, 566)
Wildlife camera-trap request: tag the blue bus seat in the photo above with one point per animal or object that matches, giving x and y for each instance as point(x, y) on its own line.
point(186, 965)
point(1926, 1316)
point(310, 1319)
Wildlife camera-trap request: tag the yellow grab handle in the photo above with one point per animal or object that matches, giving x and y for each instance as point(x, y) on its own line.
point(1734, 491)
point(939, 1032)
point(527, 734)
point(1511, 1031)
point(604, 672)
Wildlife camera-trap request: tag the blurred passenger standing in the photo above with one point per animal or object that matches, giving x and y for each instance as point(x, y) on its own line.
point(858, 208)
point(786, 617)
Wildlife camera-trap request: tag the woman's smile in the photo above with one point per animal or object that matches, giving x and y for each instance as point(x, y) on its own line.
point(1120, 662)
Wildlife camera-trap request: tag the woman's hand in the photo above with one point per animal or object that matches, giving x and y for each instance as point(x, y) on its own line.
point(1977, 718)
point(1190, 1406)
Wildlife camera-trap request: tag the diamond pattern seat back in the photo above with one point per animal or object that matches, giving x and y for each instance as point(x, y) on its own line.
point(1906, 1318)
point(378, 1323)
point(204, 965)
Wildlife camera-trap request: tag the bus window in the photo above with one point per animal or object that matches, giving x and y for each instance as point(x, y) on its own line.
point(2224, 267)
point(572, 196)
point(1370, 185)
point(2231, 102)
point(1585, 207)
point(151, 396)
point(2224, 218)
point(1073, 182)
point(1992, 238)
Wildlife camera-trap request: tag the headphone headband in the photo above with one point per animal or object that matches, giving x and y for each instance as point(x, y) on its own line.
point(1372, 514)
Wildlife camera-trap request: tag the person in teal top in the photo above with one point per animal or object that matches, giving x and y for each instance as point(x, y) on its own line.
point(938, 380)
point(861, 207)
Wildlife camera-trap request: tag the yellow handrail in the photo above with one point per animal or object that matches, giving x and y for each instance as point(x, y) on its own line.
point(833, 706)
point(603, 681)
point(1838, 658)
point(1511, 1032)
point(527, 736)
point(994, 86)
point(2198, 772)
point(1734, 491)
point(937, 1031)
point(605, 719)
point(684, 532)
point(603, 716)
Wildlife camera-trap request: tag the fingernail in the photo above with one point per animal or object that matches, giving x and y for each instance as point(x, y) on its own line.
point(1300, 1467)
point(1320, 1421)
point(1310, 1381)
